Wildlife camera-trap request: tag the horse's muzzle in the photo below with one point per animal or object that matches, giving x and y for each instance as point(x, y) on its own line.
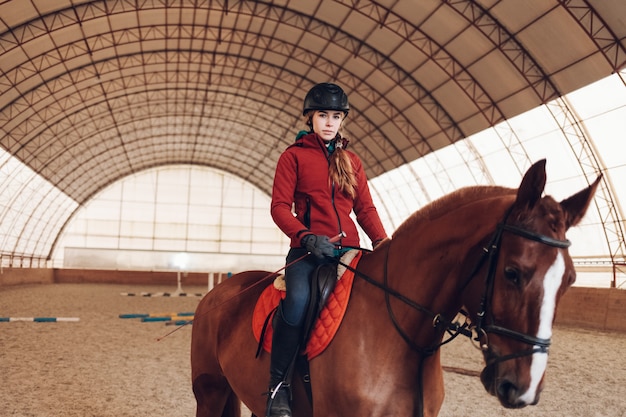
point(504, 387)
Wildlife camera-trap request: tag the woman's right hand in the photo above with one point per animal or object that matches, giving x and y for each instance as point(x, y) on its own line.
point(318, 245)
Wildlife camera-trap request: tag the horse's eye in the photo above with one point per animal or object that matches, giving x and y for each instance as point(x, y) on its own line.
point(512, 274)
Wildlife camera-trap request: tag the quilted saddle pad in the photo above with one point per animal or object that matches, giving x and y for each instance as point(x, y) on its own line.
point(330, 317)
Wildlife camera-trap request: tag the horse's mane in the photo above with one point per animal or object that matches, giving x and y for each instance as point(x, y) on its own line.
point(455, 199)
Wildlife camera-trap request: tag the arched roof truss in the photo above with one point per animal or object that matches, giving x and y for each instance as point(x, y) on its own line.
point(94, 91)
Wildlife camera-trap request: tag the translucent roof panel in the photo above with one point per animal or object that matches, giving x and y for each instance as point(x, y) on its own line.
point(508, 149)
point(146, 220)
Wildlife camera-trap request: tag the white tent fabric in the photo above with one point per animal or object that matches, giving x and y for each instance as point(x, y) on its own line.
point(95, 92)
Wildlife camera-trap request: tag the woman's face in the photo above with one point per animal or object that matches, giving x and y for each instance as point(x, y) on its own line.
point(326, 123)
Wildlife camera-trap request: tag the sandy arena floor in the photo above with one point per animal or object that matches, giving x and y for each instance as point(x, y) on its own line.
point(105, 366)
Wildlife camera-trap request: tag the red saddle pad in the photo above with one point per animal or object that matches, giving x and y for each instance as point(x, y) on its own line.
point(326, 325)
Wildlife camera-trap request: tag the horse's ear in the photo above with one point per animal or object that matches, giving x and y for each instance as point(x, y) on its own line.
point(532, 185)
point(576, 206)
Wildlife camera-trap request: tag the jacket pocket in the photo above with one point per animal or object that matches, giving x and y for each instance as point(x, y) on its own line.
point(307, 213)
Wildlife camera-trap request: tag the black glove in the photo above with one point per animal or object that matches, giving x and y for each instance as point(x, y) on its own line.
point(318, 245)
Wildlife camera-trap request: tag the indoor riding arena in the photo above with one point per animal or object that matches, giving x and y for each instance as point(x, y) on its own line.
point(138, 146)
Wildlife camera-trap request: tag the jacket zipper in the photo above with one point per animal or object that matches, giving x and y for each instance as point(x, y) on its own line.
point(336, 213)
point(332, 194)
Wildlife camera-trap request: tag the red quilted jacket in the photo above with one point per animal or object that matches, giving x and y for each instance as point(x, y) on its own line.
point(302, 178)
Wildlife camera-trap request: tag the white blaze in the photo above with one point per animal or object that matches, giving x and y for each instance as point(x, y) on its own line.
point(551, 284)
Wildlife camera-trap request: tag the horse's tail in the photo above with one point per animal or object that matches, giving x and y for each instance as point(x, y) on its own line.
point(233, 406)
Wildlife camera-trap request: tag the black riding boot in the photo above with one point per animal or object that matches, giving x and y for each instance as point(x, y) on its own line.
point(285, 345)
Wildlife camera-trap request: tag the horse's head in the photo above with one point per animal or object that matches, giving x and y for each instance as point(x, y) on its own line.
point(527, 270)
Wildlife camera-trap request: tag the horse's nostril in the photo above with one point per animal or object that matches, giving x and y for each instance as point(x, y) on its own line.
point(508, 393)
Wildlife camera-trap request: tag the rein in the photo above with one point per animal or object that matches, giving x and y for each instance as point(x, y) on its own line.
point(454, 329)
point(439, 321)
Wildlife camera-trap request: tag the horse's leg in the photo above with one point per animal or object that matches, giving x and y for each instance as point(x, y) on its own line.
point(214, 395)
point(432, 385)
point(233, 406)
point(223, 350)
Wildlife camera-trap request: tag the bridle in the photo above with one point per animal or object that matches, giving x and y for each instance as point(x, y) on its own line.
point(491, 253)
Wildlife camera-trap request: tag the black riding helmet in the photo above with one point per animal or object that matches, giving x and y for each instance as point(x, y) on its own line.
point(326, 96)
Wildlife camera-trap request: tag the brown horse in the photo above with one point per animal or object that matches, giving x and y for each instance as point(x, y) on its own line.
point(498, 253)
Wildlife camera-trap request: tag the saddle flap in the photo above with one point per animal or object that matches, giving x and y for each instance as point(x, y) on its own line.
point(323, 281)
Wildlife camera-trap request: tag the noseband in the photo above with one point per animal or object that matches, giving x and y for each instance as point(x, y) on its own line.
point(491, 252)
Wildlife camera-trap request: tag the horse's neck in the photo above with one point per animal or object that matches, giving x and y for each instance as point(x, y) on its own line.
point(435, 258)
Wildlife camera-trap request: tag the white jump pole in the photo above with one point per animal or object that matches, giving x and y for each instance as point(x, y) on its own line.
point(179, 288)
point(181, 263)
point(40, 319)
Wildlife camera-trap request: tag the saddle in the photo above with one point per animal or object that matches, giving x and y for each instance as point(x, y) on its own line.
point(323, 284)
point(330, 290)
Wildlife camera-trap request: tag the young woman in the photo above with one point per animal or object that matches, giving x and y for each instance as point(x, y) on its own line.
point(320, 182)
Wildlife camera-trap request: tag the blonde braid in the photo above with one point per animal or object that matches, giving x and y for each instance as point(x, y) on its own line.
point(342, 173)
